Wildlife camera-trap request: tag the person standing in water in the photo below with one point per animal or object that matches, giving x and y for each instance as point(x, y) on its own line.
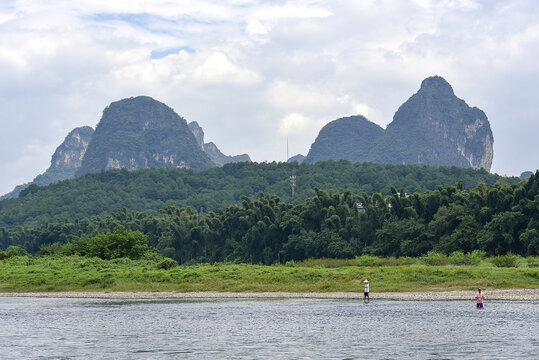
point(366, 297)
point(479, 296)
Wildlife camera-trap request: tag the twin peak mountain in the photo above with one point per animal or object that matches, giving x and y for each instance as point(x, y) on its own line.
point(135, 133)
point(433, 127)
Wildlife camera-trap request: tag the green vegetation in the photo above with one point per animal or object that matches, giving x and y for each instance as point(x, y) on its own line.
point(75, 273)
point(467, 225)
point(122, 261)
point(507, 260)
point(13, 251)
point(151, 190)
point(112, 245)
point(141, 132)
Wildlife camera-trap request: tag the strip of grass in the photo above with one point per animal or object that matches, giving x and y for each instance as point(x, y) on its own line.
point(47, 274)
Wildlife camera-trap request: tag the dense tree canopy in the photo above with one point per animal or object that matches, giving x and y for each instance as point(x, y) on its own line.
point(497, 219)
point(151, 190)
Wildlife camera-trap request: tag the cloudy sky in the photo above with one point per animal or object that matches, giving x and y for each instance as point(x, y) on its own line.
point(253, 73)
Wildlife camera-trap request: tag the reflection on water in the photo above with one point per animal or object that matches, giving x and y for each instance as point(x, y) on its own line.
point(265, 329)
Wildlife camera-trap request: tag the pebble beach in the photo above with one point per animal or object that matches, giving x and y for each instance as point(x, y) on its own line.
point(505, 295)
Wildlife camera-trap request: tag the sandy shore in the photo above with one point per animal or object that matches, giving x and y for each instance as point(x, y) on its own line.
point(507, 294)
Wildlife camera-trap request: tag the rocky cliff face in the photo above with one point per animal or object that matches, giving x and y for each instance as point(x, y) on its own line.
point(437, 128)
point(139, 133)
point(350, 138)
point(67, 158)
point(198, 133)
point(211, 149)
point(433, 127)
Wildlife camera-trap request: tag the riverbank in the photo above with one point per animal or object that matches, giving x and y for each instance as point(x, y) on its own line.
point(497, 294)
point(75, 274)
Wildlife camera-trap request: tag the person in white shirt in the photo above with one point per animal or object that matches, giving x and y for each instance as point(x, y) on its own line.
point(366, 297)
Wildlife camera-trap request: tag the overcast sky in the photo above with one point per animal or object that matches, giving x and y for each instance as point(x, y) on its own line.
point(253, 73)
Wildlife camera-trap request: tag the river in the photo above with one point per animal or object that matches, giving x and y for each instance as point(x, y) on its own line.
point(45, 328)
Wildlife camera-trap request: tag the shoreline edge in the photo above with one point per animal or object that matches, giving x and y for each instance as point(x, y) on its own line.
point(495, 294)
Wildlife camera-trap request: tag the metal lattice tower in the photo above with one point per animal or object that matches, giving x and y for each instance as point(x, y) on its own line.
point(293, 184)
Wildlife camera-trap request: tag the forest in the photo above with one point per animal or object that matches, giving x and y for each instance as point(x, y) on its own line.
point(152, 190)
point(496, 219)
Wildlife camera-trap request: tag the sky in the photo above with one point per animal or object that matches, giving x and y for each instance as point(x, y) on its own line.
point(256, 73)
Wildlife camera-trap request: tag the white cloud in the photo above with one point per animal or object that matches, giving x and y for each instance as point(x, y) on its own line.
point(289, 11)
point(293, 123)
point(218, 69)
point(361, 109)
point(5, 17)
point(288, 96)
point(261, 68)
point(254, 27)
point(173, 64)
point(355, 107)
point(423, 3)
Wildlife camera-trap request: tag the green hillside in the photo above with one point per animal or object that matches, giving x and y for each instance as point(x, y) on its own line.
point(153, 189)
point(491, 220)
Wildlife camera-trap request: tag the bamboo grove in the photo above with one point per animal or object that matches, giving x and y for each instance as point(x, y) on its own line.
point(497, 219)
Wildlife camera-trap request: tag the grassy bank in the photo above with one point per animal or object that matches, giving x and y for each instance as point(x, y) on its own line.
point(74, 273)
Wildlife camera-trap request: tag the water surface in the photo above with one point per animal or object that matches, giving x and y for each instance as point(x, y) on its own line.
point(44, 328)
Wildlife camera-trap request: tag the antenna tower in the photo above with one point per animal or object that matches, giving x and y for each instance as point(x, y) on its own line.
point(287, 149)
point(293, 184)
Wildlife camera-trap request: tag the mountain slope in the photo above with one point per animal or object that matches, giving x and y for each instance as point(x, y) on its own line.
point(349, 138)
point(67, 158)
point(299, 158)
point(215, 188)
point(437, 128)
point(141, 132)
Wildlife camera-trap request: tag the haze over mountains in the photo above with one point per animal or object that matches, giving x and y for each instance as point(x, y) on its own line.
point(433, 127)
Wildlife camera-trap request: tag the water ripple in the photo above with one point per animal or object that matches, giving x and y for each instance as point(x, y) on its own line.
point(262, 329)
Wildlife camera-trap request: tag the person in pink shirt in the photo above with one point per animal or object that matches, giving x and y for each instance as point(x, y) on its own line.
point(479, 296)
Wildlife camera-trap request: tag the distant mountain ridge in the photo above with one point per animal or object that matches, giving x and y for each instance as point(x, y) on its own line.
point(349, 138)
point(133, 133)
point(437, 128)
point(433, 127)
point(299, 158)
point(211, 149)
point(140, 132)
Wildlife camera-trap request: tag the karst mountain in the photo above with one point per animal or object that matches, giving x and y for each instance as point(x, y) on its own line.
point(433, 127)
